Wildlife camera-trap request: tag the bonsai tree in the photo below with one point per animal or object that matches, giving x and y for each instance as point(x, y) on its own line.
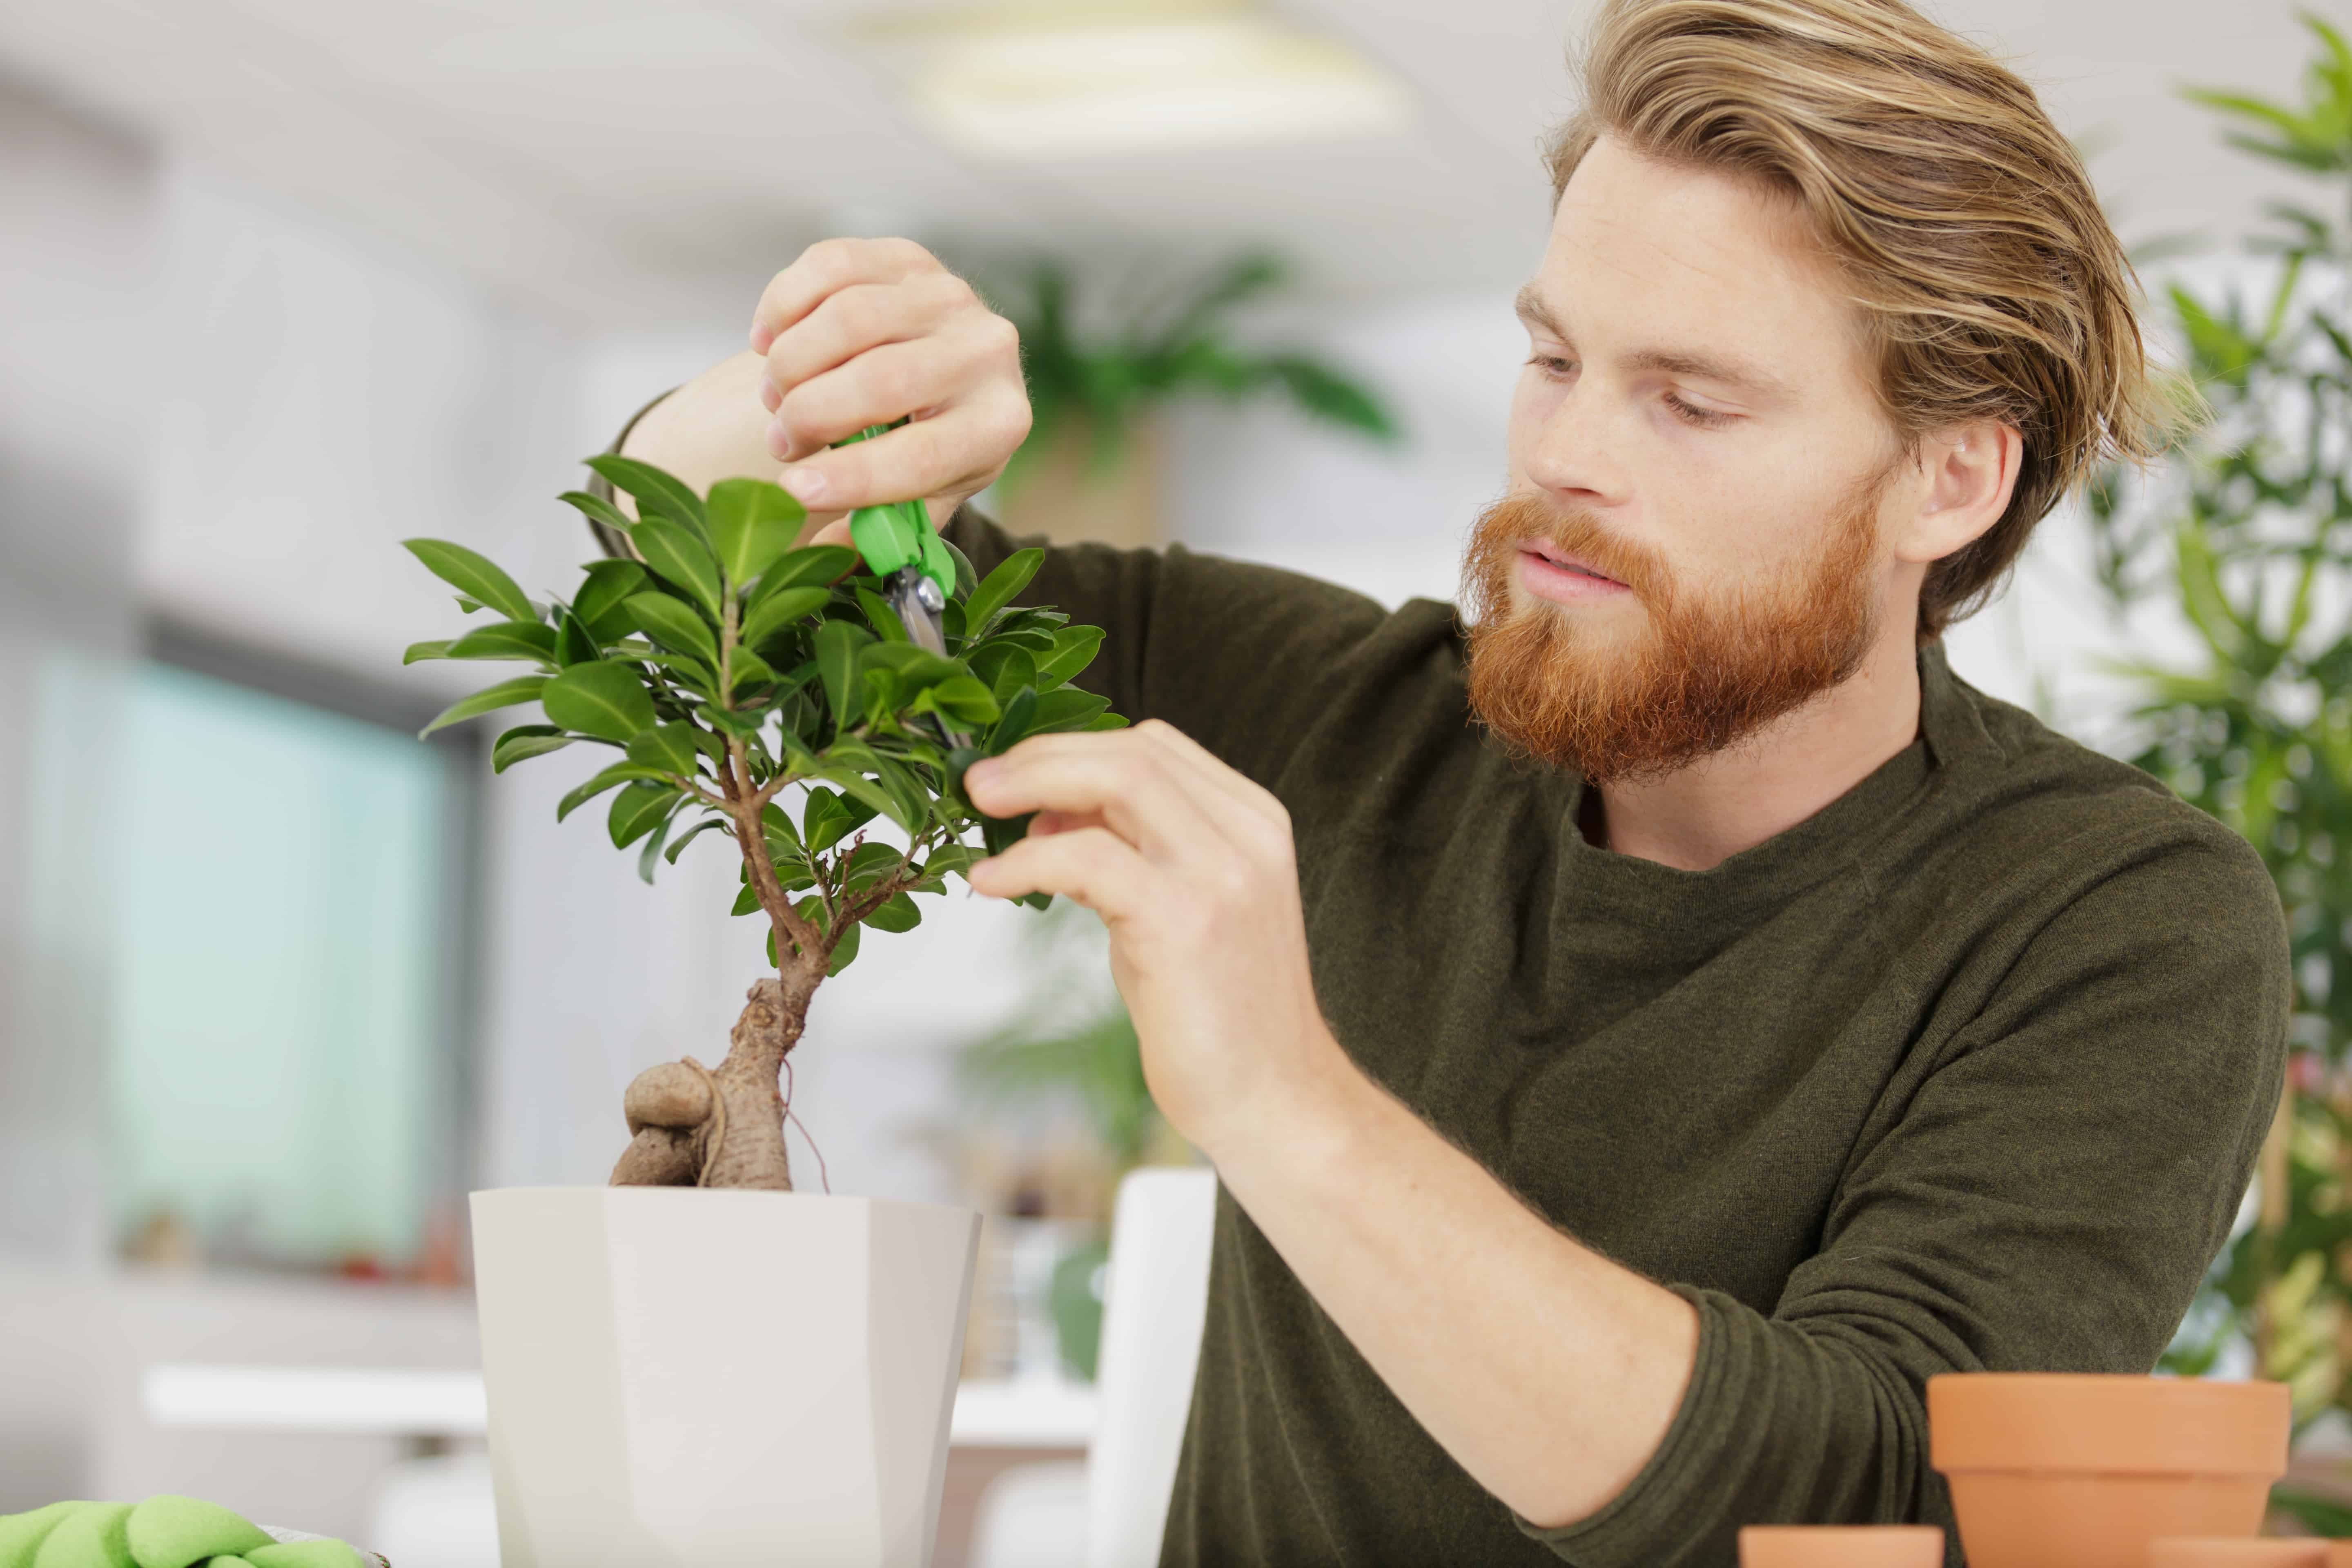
point(771, 694)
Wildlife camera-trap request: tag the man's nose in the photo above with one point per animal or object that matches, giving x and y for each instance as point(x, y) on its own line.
point(1572, 457)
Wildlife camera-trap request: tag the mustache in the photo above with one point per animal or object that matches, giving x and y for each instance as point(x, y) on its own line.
point(1522, 519)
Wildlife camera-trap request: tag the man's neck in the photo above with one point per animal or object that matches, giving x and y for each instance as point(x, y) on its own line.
point(1699, 817)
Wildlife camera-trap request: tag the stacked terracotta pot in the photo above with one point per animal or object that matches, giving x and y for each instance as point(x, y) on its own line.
point(2063, 1470)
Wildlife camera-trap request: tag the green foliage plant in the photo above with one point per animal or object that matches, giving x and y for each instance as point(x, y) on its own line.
point(764, 691)
point(1097, 386)
point(2249, 534)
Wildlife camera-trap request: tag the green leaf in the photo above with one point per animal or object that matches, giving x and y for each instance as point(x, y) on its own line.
point(823, 822)
point(871, 792)
point(599, 510)
point(673, 623)
point(777, 611)
point(1020, 714)
point(1005, 666)
point(748, 668)
point(915, 667)
point(597, 784)
point(813, 565)
point(837, 643)
point(635, 810)
point(657, 493)
point(607, 699)
point(899, 913)
point(474, 575)
point(966, 579)
point(609, 582)
point(575, 642)
point(506, 694)
point(752, 524)
point(677, 557)
point(1066, 707)
point(524, 741)
point(654, 841)
point(1073, 649)
point(669, 747)
point(996, 589)
point(420, 650)
point(506, 639)
point(695, 675)
point(963, 698)
point(843, 952)
point(695, 832)
point(881, 617)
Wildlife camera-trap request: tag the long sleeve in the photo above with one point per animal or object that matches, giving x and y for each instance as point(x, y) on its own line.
point(1231, 653)
point(2050, 1198)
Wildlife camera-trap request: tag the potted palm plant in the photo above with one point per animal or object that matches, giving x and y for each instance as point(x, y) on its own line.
point(696, 1363)
point(1098, 369)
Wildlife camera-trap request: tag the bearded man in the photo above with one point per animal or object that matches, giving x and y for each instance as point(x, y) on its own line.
point(1645, 1034)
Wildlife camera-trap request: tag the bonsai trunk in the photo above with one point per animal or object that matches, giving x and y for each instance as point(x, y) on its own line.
point(692, 1126)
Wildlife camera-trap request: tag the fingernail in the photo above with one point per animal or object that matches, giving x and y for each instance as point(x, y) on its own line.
point(760, 340)
point(770, 394)
point(806, 484)
point(981, 772)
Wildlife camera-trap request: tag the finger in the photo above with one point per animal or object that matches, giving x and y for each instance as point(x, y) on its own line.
point(888, 381)
point(1214, 776)
point(1091, 865)
point(1106, 775)
point(825, 267)
point(850, 321)
point(826, 528)
point(951, 453)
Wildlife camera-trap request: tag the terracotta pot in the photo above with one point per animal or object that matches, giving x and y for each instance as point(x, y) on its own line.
point(2340, 1554)
point(2083, 1471)
point(2235, 1552)
point(1841, 1546)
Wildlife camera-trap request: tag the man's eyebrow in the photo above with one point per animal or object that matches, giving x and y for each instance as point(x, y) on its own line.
point(1534, 312)
point(1728, 370)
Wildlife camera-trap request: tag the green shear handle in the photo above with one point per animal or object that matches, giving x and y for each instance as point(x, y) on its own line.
point(900, 546)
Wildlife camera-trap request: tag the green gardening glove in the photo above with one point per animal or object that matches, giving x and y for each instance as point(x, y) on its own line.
point(163, 1531)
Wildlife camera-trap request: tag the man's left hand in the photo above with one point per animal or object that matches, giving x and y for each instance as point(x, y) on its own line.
point(1190, 866)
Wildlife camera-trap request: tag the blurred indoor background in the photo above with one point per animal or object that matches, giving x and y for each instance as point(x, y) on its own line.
point(283, 283)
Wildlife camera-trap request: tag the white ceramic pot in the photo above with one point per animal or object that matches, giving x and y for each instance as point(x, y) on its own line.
point(720, 1379)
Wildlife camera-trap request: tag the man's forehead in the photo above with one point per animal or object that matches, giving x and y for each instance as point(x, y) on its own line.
point(1671, 263)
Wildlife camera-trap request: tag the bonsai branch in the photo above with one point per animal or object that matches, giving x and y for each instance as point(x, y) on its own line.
point(792, 933)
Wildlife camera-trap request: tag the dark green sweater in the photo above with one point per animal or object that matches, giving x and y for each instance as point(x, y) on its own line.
point(1968, 1070)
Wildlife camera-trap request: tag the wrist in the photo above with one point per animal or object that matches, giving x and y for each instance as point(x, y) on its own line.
point(1307, 1118)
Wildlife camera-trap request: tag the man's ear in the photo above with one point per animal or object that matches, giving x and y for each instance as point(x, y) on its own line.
point(1967, 473)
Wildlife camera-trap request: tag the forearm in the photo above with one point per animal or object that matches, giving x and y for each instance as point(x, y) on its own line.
point(1549, 1374)
point(713, 428)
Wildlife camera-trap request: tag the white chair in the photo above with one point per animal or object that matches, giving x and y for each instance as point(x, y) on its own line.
point(1154, 1305)
point(1111, 1513)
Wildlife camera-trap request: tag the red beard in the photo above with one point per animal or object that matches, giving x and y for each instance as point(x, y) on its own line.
point(1700, 676)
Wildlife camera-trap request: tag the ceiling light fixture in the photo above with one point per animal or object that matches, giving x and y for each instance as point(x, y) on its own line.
point(1095, 80)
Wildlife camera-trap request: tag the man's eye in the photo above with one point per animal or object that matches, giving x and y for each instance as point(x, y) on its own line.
point(1550, 364)
point(1691, 414)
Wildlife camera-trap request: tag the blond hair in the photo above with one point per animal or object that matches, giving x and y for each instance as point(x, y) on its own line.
point(1965, 225)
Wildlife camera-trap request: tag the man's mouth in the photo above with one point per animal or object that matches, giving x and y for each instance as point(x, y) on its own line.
point(1560, 557)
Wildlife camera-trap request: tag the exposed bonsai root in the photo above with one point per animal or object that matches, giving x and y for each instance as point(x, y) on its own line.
point(695, 1126)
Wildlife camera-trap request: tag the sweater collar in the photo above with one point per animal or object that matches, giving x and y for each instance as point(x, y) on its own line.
point(1800, 857)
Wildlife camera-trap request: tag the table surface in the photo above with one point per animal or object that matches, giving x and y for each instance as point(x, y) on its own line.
point(1047, 1412)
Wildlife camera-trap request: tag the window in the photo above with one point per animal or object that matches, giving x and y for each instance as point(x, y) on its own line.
point(290, 983)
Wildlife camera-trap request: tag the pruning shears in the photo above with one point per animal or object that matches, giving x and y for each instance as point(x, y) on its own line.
point(900, 546)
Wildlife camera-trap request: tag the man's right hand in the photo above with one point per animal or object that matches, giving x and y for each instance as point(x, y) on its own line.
point(854, 332)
